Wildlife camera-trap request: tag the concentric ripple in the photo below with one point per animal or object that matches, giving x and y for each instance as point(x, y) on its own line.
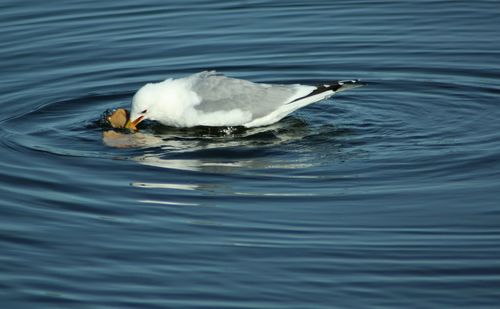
point(385, 196)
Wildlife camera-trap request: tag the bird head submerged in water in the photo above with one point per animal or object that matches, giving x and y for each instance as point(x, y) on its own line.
point(136, 117)
point(211, 99)
point(144, 105)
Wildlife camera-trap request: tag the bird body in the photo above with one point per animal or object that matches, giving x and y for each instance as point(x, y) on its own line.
point(211, 99)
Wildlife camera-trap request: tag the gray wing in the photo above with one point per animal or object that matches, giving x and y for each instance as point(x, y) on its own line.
point(220, 93)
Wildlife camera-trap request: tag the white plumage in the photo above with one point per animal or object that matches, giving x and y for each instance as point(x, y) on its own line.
point(211, 99)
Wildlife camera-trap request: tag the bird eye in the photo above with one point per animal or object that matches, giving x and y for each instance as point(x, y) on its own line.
point(144, 111)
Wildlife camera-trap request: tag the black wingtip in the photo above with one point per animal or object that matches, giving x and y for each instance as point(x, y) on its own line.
point(337, 86)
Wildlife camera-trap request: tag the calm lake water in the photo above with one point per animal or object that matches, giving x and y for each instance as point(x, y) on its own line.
point(386, 196)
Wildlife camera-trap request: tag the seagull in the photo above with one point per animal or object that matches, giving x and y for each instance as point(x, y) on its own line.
point(212, 99)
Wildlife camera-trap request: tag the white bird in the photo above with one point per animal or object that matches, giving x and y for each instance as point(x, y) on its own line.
point(211, 99)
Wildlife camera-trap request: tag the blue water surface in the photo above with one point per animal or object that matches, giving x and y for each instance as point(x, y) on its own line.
point(386, 196)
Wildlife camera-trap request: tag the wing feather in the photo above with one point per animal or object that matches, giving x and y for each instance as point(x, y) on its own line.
point(221, 93)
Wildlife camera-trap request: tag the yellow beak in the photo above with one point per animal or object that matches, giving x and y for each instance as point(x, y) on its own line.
point(133, 124)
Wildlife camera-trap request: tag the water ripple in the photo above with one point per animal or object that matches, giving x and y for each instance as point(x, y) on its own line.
point(379, 197)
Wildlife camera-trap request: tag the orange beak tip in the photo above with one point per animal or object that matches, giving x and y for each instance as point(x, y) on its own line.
point(129, 125)
point(132, 125)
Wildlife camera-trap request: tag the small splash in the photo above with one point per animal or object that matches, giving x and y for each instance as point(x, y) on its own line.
point(197, 131)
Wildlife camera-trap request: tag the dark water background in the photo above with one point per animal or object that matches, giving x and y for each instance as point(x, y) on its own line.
point(386, 196)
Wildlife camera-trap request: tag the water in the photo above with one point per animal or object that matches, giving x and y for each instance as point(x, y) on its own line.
point(386, 196)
